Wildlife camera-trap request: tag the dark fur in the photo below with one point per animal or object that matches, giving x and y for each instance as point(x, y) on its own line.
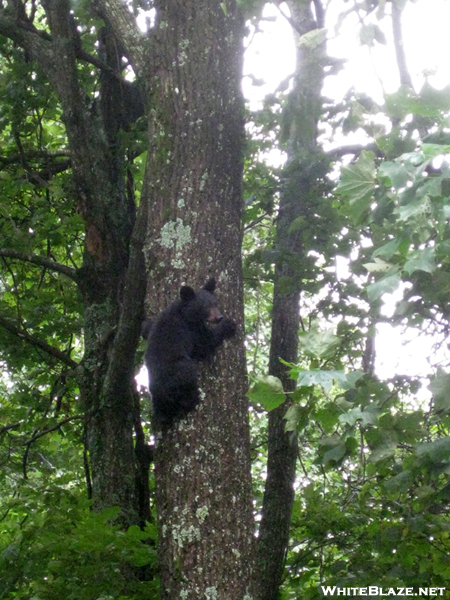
point(189, 330)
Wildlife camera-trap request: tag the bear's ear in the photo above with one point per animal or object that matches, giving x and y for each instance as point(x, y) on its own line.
point(187, 293)
point(210, 285)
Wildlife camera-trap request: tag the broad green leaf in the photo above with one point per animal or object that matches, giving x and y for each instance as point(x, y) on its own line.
point(318, 344)
point(440, 388)
point(395, 172)
point(296, 417)
point(349, 381)
point(400, 483)
point(327, 378)
point(388, 250)
point(367, 417)
point(328, 416)
point(371, 33)
point(386, 448)
point(439, 100)
point(386, 285)
point(434, 150)
point(335, 454)
point(430, 102)
point(418, 207)
point(358, 180)
point(400, 103)
point(421, 260)
point(309, 378)
point(438, 451)
point(267, 390)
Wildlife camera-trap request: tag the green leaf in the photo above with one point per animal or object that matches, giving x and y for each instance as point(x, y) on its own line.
point(335, 454)
point(432, 151)
point(328, 416)
point(440, 388)
point(267, 390)
point(296, 417)
point(371, 33)
point(386, 285)
point(418, 207)
point(318, 344)
point(395, 172)
point(421, 260)
point(326, 378)
point(336, 449)
point(386, 448)
point(399, 483)
point(388, 250)
point(358, 180)
point(430, 102)
point(438, 451)
point(367, 417)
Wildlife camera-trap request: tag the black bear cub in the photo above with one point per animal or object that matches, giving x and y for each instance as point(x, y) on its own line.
point(189, 330)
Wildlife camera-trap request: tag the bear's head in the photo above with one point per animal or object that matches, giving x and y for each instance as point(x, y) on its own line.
point(200, 306)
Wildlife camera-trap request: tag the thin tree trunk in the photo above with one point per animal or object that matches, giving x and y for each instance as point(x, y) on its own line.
point(300, 192)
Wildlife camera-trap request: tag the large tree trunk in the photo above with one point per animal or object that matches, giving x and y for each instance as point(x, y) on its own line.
point(299, 200)
point(110, 281)
point(194, 171)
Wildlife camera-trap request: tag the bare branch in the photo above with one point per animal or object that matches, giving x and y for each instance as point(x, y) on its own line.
point(23, 335)
point(41, 261)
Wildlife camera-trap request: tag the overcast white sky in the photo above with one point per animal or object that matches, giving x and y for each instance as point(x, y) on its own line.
point(271, 55)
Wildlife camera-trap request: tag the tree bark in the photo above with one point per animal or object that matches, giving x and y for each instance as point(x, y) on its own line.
point(299, 195)
point(193, 178)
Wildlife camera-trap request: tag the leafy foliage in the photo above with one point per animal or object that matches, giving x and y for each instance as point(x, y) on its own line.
point(372, 490)
point(53, 545)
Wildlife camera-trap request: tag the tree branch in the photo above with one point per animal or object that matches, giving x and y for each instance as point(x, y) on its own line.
point(120, 369)
point(405, 77)
point(41, 261)
point(4, 428)
point(36, 155)
point(18, 30)
point(37, 43)
point(116, 13)
point(23, 335)
point(36, 436)
point(337, 153)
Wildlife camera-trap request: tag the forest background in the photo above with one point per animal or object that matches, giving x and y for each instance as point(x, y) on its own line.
point(130, 165)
